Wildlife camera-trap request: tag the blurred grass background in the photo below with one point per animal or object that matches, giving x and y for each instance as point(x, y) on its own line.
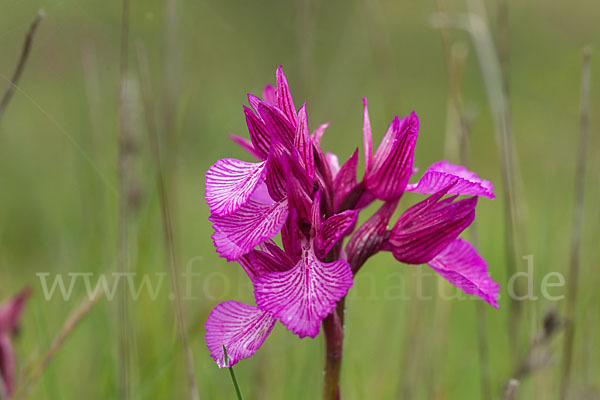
point(58, 174)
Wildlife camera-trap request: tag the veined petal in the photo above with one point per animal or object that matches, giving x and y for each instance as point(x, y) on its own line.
point(275, 178)
point(392, 165)
point(254, 101)
point(317, 135)
point(298, 198)
point(284, 97)
point(241, 328)
point(238, 233)
point(367, 136)
point(277, 124)
point(315, 213)
point(230, 183)
point(460, 265)
point(427, 228)
point(278, 259)
point(442, 173)
point(304, 143)
point(299, 186)
point(333, 229)
point(304, 295)
point(7, 364)
point(345, 180)
point(323, 168)
point(246, 145)
point(289, 235)
point(269, 259)
point(369, 238)
point(260, 137)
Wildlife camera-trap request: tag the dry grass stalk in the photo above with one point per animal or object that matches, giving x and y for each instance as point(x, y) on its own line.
point(382, 52)
point(69, 326)
point(475, 22)
point(540, 350)
point(463, 155)
point(124, 172)
point(166, 216)
point(574, 265)
point(511, 390)
point(21, 64)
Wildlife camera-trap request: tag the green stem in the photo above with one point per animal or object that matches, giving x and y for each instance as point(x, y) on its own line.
point(235, 384)
point(238, 392)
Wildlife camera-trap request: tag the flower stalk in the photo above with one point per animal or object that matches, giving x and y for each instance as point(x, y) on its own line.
point(334, 338)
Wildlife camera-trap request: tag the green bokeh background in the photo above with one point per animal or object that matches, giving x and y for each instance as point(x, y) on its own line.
point(58, 171)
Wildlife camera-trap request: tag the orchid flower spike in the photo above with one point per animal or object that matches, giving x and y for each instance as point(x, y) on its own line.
point(297, 192)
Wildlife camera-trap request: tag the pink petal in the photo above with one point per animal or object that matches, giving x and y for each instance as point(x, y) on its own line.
point(304, 143)
point(334, 229)
point(298, 197)
point(276, 177)
point(241, 328)
point(426, 228)
point(277, 124)
point(238, 233)
point(369, 238)
point(284, 97)
point(7, 364)
point(460, 264)
point(246, 145)
point(392, 165)
point(11, 311)
point(441, 173)
point(334, 163)
point(259, 135)
point(345, 180)
point(230, 183)
point(270, 95)
point(254, 101)
point(367, 136)
point(317, 135)
point(264, 262)
point(261, 194)
point(301, 297)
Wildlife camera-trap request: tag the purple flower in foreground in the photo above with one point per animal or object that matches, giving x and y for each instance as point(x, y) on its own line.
point(10, 314)
point(303, 194)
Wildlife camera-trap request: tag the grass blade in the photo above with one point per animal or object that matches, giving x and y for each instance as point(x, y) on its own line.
point(238, 392)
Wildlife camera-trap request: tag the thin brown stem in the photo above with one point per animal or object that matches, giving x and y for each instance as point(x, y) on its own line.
point(21, 64)
point(166, 217)
point(334, 337)
point(574, 265)
point(333, 330)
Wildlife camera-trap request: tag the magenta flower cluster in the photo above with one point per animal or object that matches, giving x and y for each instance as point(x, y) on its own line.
point(10, 315)
point(297, 191)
